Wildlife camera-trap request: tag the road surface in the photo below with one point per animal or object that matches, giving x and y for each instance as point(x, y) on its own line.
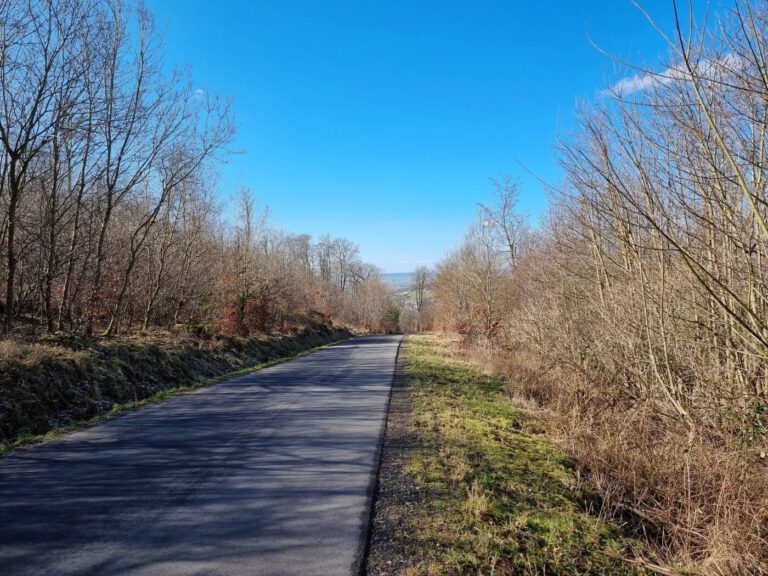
point(269, 473)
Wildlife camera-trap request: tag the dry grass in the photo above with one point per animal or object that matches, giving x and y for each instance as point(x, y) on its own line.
point(31, 355)
point(476, 504)
point(701, 503)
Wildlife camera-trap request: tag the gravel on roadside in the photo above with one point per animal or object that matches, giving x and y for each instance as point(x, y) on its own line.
point(397, 496)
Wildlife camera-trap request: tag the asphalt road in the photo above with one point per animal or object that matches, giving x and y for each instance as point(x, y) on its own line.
point(269, 473)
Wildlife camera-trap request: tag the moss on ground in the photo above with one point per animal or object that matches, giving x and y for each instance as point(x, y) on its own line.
point(495, 498)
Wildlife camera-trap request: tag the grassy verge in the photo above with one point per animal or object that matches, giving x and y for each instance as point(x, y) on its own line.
point(495, 496)
point(52, 391)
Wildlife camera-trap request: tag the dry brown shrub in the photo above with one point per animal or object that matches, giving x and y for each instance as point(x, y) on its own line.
point(702, 505)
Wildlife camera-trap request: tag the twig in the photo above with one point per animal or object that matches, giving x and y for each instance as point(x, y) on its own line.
point(643, 563)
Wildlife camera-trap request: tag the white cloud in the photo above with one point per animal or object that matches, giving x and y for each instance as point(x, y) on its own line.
point(631, 85)
point(706, 68)
point(644, 83)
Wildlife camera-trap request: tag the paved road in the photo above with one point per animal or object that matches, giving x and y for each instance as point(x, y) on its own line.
point(268, 473)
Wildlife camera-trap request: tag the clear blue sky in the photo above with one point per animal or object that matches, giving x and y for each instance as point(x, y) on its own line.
point(383, 121)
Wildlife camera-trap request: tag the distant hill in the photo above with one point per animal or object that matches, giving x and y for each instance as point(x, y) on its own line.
point(400, 281)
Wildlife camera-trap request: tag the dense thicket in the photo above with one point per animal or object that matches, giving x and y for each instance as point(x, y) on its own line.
point(639, 312)
point(108, 211)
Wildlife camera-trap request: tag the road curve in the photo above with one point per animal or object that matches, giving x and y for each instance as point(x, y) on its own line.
point(269, 473)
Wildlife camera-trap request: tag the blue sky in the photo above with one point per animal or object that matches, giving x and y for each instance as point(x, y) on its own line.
point(383, 121)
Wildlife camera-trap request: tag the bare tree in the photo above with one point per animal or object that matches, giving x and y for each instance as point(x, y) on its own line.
point(509, 226)
point(421, 278)
point(38, 79)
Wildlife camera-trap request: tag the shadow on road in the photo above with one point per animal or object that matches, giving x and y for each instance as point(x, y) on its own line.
point(267, 473)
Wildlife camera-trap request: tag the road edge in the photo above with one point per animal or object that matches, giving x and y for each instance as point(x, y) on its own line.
point(161, 397)
point(360, 563)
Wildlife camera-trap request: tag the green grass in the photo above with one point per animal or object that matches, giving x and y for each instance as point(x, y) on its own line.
point(160, 396)
point(496, 497)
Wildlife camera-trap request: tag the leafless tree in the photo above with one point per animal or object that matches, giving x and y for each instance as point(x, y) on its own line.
point(39, 81)
point(421, 278)
point(509, 226)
